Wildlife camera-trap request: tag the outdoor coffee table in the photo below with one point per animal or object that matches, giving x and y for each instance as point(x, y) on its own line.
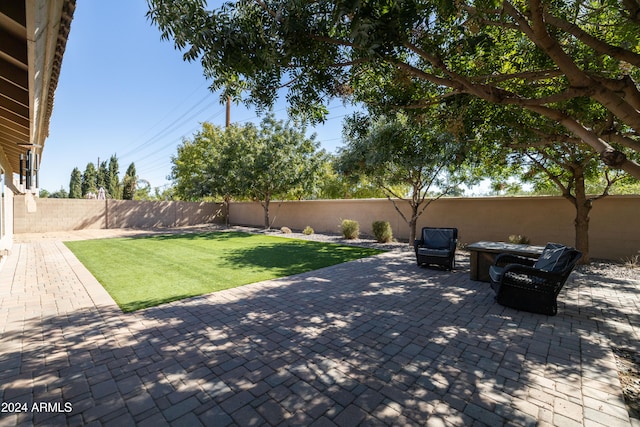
point(483, 254)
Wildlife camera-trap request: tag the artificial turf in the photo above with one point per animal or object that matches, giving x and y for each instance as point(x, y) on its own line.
point(143, 272)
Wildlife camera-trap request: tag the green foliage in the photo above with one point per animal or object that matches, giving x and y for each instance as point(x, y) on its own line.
point(519, 239)
point(89, 180)
point(400, 152)
point(350, 229)
point(114, 189)
point(275, 160)
point(75, 184)
point(382, 231)
point(103, 178)
point(307, 231)
point(335, 184)
point(552, 60)
point(129, 183)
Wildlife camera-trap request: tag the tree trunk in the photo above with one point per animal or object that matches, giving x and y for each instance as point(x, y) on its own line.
point(413, 222)
point(583, 208)
point(227, 204)
point(412, 231)
point(265, 206)
point(582, 231)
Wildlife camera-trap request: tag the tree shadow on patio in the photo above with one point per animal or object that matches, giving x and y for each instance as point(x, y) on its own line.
point(376, 341)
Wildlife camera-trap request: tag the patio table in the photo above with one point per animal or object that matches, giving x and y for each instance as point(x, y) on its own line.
point(484, 253)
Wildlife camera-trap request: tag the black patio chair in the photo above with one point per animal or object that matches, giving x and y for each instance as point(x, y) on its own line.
point(532, 284)
point(437, 245)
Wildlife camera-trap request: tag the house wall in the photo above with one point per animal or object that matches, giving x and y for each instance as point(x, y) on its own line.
point(6, 233)
point(614, 227)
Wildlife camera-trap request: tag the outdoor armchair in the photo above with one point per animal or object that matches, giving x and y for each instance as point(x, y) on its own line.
point(532, 284)
point(437, 245)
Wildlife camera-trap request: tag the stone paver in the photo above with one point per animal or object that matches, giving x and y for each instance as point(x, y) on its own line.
point(376, 341)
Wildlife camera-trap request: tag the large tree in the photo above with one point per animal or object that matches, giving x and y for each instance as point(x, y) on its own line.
point(88, 185)
point(275, 160)
point(75, 184)
point(129, 183)
point(114, 189)
point(398, 153)
point(536, 55)
point(542, 152)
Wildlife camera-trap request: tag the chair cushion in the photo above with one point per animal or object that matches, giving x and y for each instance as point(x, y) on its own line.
point(495, 273)
point(554, 258)
point(434, 252)
point(437, 238)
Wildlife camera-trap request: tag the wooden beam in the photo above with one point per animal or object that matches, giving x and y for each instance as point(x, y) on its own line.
point(13, 49)
point(14, 74)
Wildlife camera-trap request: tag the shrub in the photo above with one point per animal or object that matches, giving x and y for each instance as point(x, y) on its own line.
point(519, 238)
point(307, 230)
point(382, 231)
point(350, 229)
point(285, 230)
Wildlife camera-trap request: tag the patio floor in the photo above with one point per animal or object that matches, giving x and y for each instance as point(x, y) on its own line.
point(377, 341)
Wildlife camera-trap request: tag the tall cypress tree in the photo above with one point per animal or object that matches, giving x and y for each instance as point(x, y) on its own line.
point(113, 186)
point(75, 184)
point(129, 183)
point(102, 180)
point(89, 180)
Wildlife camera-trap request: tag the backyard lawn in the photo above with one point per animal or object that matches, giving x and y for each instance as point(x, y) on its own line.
point(144, 272)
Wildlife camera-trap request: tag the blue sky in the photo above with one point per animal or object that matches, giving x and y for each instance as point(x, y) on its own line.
point(124, 91)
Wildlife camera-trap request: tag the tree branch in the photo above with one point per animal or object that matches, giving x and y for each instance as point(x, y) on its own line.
point(593, 42)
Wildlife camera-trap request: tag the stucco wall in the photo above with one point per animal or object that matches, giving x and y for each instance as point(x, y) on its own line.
point(41, 215)
point(6, 238)
point(614, 225)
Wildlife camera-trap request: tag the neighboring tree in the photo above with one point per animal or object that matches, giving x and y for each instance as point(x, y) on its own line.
point(113, 184)
point(129, 183)
point(333, 184)
point(191, 161)
point(545, 154)
point(143, 190)
point(60, 194)
point(75, 184)
point(282, 163)
point(396, 151)
point(89, 180)
point(103, 177)
point(274, 161)
point(537, 56)
point(567, 168)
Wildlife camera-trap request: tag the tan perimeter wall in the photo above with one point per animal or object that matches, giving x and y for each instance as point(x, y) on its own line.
point(614, 225)
point(41, 215)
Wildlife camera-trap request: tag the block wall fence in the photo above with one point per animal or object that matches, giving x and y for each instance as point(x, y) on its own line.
point(614, 224)
point(35, 215)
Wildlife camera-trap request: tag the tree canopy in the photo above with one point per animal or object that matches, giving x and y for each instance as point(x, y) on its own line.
point(275, 160)
point(397, 153)
point(542, 57)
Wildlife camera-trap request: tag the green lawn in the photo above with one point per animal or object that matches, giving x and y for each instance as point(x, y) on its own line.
point(147, 271)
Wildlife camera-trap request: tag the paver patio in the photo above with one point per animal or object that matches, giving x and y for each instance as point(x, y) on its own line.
point(377, 341)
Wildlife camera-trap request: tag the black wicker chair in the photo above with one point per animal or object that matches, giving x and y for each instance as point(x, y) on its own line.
point(437, 246)
point(531, 284)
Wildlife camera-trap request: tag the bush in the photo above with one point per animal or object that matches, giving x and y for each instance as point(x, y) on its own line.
point(350, 229)
point(519, 238)
point(307, 230)
point(382, 231)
